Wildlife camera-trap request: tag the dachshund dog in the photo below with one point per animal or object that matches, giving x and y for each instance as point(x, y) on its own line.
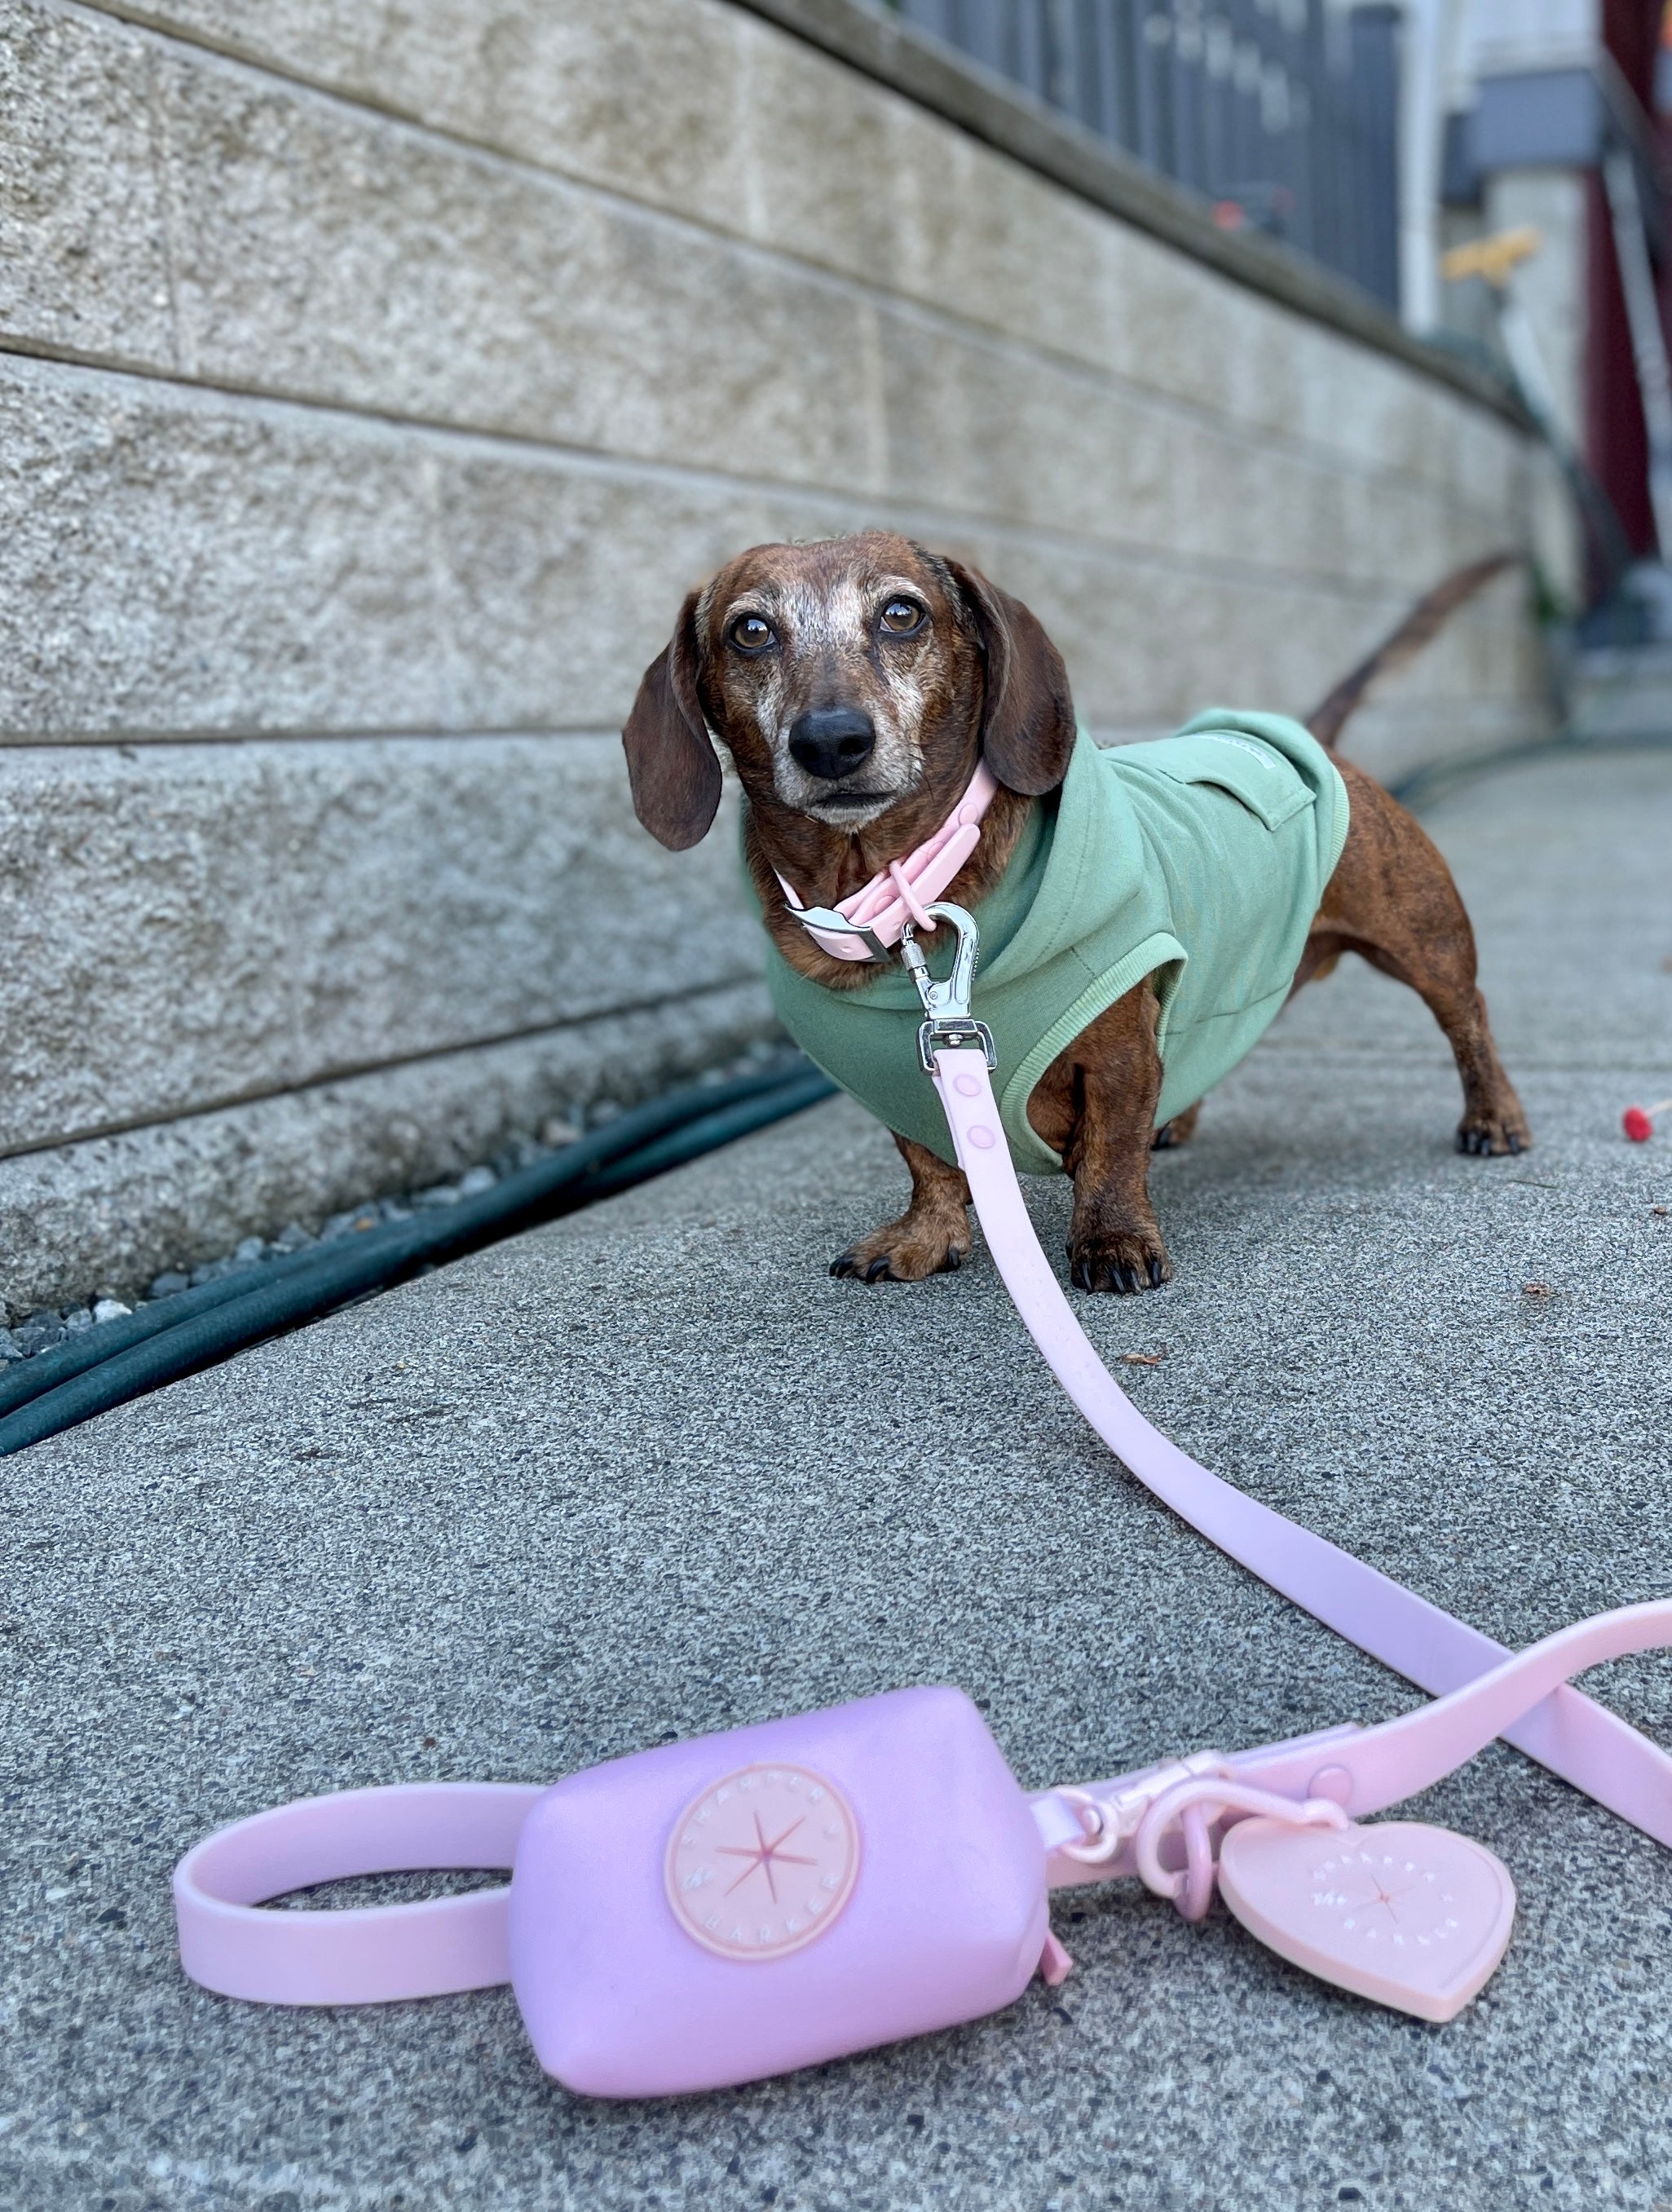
point(857, 684)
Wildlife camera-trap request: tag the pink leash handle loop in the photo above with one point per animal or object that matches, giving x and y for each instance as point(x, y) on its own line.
point(364, 1954)
point(1588, 1746)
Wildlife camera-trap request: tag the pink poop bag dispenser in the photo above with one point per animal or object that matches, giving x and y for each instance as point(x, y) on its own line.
point(716, 1911)
point(706, 1913)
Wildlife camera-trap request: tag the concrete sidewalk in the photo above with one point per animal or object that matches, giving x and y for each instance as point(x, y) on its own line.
point(650, 1471)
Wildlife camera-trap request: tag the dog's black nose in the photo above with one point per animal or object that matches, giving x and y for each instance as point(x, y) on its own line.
point(832, 741)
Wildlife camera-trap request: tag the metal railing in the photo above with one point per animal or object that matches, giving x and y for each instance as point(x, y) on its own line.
point(1282, 113)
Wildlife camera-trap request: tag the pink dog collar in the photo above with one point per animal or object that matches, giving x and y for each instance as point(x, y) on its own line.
point(720, 1911)
point(902, 892)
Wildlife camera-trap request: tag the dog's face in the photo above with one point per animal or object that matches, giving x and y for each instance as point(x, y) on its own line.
point(828, 669)
point(847, 679)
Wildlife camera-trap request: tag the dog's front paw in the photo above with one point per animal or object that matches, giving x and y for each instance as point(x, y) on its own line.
point(1492, 1132)
point(1118, 1259)
point(905, 1251)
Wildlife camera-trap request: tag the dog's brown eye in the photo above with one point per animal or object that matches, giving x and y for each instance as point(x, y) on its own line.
point(903, 616)
point(753, 633)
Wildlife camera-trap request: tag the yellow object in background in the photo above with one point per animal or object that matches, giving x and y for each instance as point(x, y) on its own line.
point(1492, 257)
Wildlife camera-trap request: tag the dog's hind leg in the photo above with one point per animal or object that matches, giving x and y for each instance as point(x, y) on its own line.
point(1492, 1119)
point(1392, 901)
point(931, 1237)
point(1178, 1130)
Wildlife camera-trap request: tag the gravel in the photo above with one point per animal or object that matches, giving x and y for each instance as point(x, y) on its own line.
point(39, 1333)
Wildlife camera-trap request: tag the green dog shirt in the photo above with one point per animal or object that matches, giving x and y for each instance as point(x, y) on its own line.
point(1199, 860)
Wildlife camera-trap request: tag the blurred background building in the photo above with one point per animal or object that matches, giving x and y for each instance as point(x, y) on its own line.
point(374, 381)
point(1372, 137)
point(1535, 99)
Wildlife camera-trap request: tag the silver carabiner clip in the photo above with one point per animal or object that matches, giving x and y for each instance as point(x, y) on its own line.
point(948, 1024)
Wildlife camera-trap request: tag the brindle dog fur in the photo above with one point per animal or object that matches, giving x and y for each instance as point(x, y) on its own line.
point(856, 683)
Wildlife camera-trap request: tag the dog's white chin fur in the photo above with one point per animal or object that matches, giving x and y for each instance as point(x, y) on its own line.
point(851, 818)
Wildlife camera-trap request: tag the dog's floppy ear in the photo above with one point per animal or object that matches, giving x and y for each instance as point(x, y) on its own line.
point(1028, 722)
point(671, 762)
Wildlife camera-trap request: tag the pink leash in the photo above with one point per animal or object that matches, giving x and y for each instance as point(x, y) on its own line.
point(1274, 1828)
point(1582, 1742)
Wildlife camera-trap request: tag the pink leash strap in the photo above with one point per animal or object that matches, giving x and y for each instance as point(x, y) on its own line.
point(1575, 1738)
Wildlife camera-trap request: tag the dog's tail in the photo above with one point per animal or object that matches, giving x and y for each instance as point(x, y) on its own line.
point(1327, 721)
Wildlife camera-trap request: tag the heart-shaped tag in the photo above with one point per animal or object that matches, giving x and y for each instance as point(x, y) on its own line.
point(1408, 1915)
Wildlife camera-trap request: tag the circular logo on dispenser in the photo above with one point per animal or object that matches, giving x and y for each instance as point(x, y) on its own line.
point(763, 1862)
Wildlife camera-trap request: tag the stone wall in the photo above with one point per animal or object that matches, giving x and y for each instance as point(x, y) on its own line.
point(373, 382)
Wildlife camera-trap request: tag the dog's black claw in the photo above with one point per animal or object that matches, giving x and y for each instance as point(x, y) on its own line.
point(953, 1260)
point(1157, 1278)
point(1515, 1142)
point(843, 1264)
point(878, 1272)
point(1082, 1276)
point(1163, 1139)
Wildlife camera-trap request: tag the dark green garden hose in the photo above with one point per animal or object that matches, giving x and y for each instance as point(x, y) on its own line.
point(106, 1366)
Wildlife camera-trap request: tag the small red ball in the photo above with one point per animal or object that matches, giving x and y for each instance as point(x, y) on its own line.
point(1637, 1125)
